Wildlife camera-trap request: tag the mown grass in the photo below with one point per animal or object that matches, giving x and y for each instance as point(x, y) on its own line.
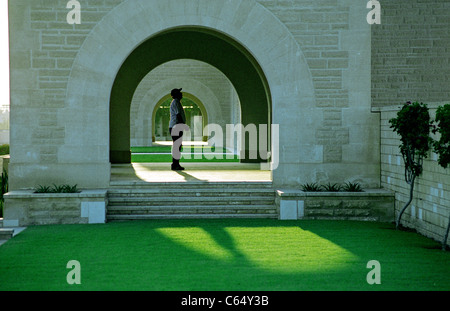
point(270, 255)
point(158, 154)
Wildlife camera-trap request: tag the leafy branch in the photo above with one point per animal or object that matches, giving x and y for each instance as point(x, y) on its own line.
point(442, 146)
point(413, 124)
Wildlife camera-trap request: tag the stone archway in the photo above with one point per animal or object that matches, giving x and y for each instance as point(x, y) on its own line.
point(201, 44)
point(193, 98)
point(208, 85)
point(242, 24)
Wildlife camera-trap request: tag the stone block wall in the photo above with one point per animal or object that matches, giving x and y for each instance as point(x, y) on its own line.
point(339, 61)
point(430, 209)
point(26, 208)
point(410, 62)
point(370, 205)
point(411, 52)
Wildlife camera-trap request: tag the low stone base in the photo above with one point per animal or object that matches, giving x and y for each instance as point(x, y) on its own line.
point(370, 205)
point(25, 208)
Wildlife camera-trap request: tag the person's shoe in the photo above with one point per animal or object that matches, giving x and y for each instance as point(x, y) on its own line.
point(177, 168)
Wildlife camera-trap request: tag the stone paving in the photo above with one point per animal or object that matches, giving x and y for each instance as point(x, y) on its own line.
point(194, 172)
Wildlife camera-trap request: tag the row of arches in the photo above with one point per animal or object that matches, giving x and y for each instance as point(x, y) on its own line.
point(198, 44)
point(242, 39)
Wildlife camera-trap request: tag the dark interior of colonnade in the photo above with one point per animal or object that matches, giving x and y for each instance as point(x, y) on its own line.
point(206, 45)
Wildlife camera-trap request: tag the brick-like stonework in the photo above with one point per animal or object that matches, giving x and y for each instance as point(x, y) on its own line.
point(411, 52)
point(25, 208)
point(319, 28)
point(369, 205)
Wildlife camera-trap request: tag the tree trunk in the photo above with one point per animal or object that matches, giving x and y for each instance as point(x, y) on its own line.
point(411, 191)
point(444, 243)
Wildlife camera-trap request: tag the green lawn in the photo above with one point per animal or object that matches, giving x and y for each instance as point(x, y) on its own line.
point(223, 255)
point(189, 154)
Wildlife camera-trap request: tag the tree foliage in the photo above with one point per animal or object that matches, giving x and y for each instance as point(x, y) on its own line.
point(413, 124)
point(442, 146)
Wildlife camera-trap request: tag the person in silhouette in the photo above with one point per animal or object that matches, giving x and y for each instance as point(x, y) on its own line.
point(176, 126)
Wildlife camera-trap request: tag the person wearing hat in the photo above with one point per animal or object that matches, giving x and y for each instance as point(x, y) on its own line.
point(176, 126)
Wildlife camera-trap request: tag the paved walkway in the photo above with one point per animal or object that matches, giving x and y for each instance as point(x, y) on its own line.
point(194, 172)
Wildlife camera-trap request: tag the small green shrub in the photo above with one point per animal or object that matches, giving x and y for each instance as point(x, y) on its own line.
point(332, 187)
point(42, 189)
point(352, 187)
point(56, 189)
point(313, 187)
point(348, 187)
point(4, 149)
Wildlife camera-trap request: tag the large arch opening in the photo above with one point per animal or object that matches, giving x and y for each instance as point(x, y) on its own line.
point(201, 44)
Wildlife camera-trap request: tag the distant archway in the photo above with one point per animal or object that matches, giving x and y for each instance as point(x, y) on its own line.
point(192, 97)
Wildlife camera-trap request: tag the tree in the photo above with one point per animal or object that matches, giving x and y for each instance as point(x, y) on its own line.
point(442, 146)
point(413, 125)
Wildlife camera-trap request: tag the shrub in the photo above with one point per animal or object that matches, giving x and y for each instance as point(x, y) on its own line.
point(352, 187)
point(313, 187)
point(413, 125)
point(4, 149)
point(56, 189)
point(332, 187)
point(349, 187)
point(442, 146)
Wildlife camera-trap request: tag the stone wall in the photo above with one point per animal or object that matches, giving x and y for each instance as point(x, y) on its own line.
point(430, 209)
point(26, 208)
point(4, 124)
point(411, 52)
point(314, 54)
point(369, 205)
point(338, 59)
point(410, 62)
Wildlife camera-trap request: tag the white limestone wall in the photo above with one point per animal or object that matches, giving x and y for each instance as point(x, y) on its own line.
point(315, 55)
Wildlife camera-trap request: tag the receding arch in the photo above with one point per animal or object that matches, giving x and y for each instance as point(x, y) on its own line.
point(192, 97)
point(200, 44)
point(209, 85)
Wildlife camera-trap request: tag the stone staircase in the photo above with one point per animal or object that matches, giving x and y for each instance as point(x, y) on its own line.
point(137, 201)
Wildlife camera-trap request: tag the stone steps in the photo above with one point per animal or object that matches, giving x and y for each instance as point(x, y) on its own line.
point(191, 200)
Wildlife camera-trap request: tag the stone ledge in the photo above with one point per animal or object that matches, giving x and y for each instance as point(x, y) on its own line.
point(24, 208)
point(370, 205)
point(30, 194)
point(366, 193)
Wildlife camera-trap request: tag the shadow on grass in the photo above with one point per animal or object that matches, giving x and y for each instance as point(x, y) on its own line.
point(223, 255)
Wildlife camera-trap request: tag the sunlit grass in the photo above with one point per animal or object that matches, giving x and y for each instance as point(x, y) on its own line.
point(158, 154)
point(223, 255)
point(289, 249)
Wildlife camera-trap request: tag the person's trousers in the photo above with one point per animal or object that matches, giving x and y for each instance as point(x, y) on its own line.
point(176, 162)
